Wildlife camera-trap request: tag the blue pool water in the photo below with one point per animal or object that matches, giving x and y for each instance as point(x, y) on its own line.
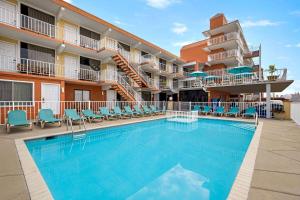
point(149, 160)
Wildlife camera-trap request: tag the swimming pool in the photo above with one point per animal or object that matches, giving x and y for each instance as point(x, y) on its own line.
point(149, 160)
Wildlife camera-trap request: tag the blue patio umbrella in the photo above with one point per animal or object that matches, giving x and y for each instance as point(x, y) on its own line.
point(240, 69)
point(198, 74)
point(212, 77)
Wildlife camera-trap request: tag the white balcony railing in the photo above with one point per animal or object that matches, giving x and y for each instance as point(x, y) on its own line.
point(89, 42)
point(162, 67)
point(28, 66)
point(8, 17)
point(38, 26)
point(222, 38)
point(89, 75)
point(108, 43)
point(223, 55)
point(223, 78)
point(41, 68)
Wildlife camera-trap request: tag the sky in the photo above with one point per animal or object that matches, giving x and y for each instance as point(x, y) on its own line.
point(275, 24)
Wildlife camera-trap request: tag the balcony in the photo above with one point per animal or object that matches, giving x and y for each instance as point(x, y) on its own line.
point(177, 72)
point(89, 43)
point(229, 57)
point(154, 84)
point(223, 38)
point(108, 47)
point(37, 26)
point(41, 68)
point(28, 66)
point(88, 74)
point(149, 63)
point(217, 78)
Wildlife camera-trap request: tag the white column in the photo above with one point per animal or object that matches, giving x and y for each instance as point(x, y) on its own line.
point(268, 101)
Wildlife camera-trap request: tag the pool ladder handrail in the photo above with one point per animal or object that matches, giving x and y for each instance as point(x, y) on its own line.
point(69, 122)
point(256, 119)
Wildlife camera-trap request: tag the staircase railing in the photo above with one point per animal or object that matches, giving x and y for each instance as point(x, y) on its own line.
point(138, 69)
point(129, 89)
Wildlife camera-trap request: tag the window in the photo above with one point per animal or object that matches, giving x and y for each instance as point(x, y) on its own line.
point(88, 63)
point(16, 91)
point(143, 53)
point(162, 64)
point(124, 46)
point(175, 68)
point(90, 34)
point(82, 95)
point(148, 74)
point(31, 12)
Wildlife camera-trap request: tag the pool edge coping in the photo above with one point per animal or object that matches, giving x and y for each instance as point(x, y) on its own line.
point(38, 189)
point(242, 182)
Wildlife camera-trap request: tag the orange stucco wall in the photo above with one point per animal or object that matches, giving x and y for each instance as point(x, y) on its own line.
point(37, 82)
point(224, 96)
point(194, 52)
point(217, 21)
point(96, 93)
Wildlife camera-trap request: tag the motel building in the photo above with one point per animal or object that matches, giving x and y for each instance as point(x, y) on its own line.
point(52, 51)
point(226, 48)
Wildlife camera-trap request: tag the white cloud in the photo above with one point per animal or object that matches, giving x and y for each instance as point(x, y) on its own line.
point(161, 4)
point(282, 58)
point(292, 45)
point(179, 28)
point(182, 43)
point(69, 1)
point(119, 22)
point(259, 23)
point(295, 12)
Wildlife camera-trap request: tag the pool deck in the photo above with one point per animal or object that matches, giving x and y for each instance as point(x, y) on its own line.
point(276, 174)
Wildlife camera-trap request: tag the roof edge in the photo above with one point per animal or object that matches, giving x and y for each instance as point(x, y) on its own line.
point(114, 27)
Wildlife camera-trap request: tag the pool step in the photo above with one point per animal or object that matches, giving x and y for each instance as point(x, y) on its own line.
point(79, 136)
point(248, 127)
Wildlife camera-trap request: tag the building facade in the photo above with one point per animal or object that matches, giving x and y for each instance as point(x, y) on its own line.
point(224, 48)
point(54, 51)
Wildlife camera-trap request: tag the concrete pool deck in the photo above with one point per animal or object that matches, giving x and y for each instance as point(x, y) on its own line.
point(276, 174)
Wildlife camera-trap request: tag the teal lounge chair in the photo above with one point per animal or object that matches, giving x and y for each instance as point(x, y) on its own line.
point(138, 110)
point(234, 111)
point(250, 112)
point(219, 111)
point(196, 108)
point(105, 112)
point(206, 110)
point(17, 118)
point(131, 112)
point(46, 116)
point(91, 116)
point(154, 110)
point(72, 116)
point(147, 110)
point(118, 111)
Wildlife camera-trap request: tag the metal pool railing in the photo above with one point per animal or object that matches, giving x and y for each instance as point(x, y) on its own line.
point(260, 106)
point(32, 108)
